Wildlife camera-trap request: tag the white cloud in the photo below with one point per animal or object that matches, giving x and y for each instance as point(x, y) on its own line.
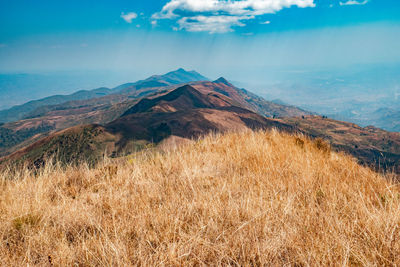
point(266, 22)
point(237, 7)
point(221, 15)
point(129, 16)
point(353, 2)
point(211, 24)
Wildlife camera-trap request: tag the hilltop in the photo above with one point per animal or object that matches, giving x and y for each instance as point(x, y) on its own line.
point(246, 198)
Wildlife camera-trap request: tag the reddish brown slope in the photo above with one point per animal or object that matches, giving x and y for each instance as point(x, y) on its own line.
point(183, 98)
point(184, 112)
point(372, 146)
point(102, 110)
point(249, 100)
point(190, 123)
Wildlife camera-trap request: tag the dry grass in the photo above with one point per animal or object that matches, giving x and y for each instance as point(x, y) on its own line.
point(235, 199)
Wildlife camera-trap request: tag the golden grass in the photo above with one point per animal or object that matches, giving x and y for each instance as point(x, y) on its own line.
point(236, 199)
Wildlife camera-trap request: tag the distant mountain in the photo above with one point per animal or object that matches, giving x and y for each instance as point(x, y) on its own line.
point(20, 88)
point(251, 101)
point(186, 112)
point(223, 81)
point(387, 118)
point(193, 110)
point(181, 99)
point(16, 135)
point(172, 78)
point(102, 110)
point(183, 112)
point(18, 112)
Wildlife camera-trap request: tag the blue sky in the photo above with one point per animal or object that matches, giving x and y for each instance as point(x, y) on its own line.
point(208, 35)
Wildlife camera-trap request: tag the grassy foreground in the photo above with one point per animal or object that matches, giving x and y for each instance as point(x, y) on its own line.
point(235, 199)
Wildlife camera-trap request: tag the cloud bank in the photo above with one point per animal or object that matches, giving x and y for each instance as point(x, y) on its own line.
point(219, 16)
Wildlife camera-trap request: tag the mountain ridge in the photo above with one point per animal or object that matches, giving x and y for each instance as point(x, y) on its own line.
point(196, 114)
point(174, 77)
point(190, 111)
point(123, 123)
point(18, 112)
point(107, 108)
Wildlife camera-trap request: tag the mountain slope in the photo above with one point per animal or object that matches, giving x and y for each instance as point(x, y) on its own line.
point(187, 112)
point(171, 78)
point(370, 145)
point(243, 199)
point(81, 143)
point(19, 112)
point(191, 123)
point(183, 98)
point(16, 135)
point(184, 112)
point(103, 110)
point(249, 100)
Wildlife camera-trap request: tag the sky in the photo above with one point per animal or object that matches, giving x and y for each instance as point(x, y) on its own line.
point(214, 37)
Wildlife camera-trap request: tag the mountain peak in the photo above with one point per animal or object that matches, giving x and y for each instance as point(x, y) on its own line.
point(174, 72)
point(183, 76)
point(182, 71)
point(182, 98)
point(223, 80)
point(178, 76)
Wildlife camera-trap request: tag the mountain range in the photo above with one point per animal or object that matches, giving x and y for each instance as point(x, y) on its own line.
point(174, 77)
point(103, 109)
point(174, 107)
